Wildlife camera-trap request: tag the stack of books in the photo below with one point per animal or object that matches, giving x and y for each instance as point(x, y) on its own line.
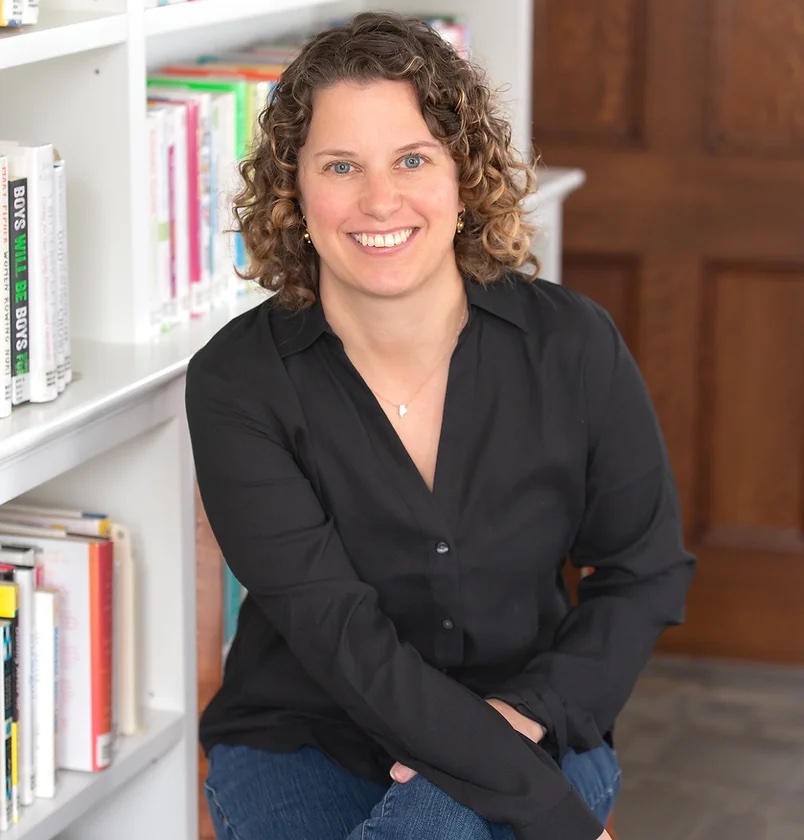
point(35, 364)
point(68, 648)
point(201, 119)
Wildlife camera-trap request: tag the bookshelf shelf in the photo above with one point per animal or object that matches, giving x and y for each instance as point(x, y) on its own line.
point(182, 16)
point(60, 33)
point(77, 793)
point(114, 397)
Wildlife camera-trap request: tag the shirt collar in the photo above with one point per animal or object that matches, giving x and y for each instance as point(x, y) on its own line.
point(296, 331)
point(502, 298)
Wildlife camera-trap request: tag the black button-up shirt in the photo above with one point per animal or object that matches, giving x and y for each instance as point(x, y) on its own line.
point(380, 614)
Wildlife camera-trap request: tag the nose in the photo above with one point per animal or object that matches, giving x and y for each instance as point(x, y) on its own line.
point(380, 196)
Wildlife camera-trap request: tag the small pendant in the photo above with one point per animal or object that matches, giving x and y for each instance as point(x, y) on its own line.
point(403, 410)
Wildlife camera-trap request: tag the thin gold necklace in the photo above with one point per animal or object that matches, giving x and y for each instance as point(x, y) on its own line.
point(402, 408)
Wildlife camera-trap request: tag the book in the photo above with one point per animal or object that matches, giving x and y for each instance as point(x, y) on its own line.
point(81, 569)
point(161, 284)
point(46, 684)
point(199, 155)
point(79, 522)
point(5, 294)
point(17, 564)
point(18, 266)
point(11, 12)
point(30, 14)
point(191, 108)
point(226, 283)
point(244, 94)
point(155, 267)
point(233, 594)
point(124, 659)
point(7, 711)
point(9, 611)
point(177, 292)
point(64, 369)
point(35, 163)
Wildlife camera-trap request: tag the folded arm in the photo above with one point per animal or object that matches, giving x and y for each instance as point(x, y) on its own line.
point(631, 536)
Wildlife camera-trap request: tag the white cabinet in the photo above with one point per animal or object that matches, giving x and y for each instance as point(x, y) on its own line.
point(116, 439)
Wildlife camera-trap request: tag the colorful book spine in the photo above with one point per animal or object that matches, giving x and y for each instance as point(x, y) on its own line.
point(11, 12)
point(20, 322)
point(36, 164)
point(200, 231)
point(9, 610)
point(233, 594)
point(82, 570)
point(15, 565)
point(7, 711)
point(5, 294)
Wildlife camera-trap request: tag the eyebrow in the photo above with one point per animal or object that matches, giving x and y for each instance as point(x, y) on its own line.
point(430, 144)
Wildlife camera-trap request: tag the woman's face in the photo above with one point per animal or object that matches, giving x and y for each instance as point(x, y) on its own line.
point(379, 192)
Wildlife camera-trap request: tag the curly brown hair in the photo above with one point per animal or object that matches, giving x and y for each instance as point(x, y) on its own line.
point(459, 109)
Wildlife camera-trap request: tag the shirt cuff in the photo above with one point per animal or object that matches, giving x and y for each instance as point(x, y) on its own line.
point(541, 704)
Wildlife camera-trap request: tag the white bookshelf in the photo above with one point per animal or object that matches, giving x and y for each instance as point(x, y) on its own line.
point(79, 793)
point(116, 440)
point(58, 33)
point(181, 17)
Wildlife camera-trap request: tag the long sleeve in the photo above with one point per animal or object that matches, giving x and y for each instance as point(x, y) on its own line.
point(631, 535)
point(286, 550)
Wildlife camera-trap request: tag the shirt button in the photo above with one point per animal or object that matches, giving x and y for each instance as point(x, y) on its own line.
point(442, 547)
point(447, 624)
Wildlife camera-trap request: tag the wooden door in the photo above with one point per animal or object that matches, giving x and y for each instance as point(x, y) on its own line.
point(688, 118)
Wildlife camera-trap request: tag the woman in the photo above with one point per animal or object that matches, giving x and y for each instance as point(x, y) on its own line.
point(396, 453)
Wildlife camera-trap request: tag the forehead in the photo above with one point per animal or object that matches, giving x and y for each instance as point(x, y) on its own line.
point(365, 110)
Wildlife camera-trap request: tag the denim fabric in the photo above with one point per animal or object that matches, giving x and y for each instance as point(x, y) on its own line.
point(258, 795)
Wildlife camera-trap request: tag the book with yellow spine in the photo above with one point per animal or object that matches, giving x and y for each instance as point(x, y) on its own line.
point(11, 12)
point(9, 600)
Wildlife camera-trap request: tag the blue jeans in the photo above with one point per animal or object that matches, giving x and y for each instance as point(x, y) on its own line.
point(257, 795)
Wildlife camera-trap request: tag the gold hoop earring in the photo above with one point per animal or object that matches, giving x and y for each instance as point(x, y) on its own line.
point(459, 223)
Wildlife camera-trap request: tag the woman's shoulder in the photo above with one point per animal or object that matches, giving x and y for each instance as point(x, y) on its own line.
point(236, 348)
point(555, 310)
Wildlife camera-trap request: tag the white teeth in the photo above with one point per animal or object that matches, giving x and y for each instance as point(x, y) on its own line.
point(388, 240)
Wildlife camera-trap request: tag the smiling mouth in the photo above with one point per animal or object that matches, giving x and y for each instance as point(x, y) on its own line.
point(381, 241)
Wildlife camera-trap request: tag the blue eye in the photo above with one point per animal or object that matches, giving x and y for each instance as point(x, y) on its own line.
point(412, 161)
point(341, 167)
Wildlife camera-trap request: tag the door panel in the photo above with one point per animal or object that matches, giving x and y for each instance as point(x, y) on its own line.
point(688, 118)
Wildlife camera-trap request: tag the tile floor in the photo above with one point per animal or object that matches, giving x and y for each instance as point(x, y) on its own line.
point(712, 751)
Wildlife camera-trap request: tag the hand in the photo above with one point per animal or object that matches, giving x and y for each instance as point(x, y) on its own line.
point(527, 727)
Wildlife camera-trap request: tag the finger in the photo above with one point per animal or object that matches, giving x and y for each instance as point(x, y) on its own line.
point(402, 774)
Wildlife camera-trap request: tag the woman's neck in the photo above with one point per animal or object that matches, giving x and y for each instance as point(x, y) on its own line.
point(402, 332)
